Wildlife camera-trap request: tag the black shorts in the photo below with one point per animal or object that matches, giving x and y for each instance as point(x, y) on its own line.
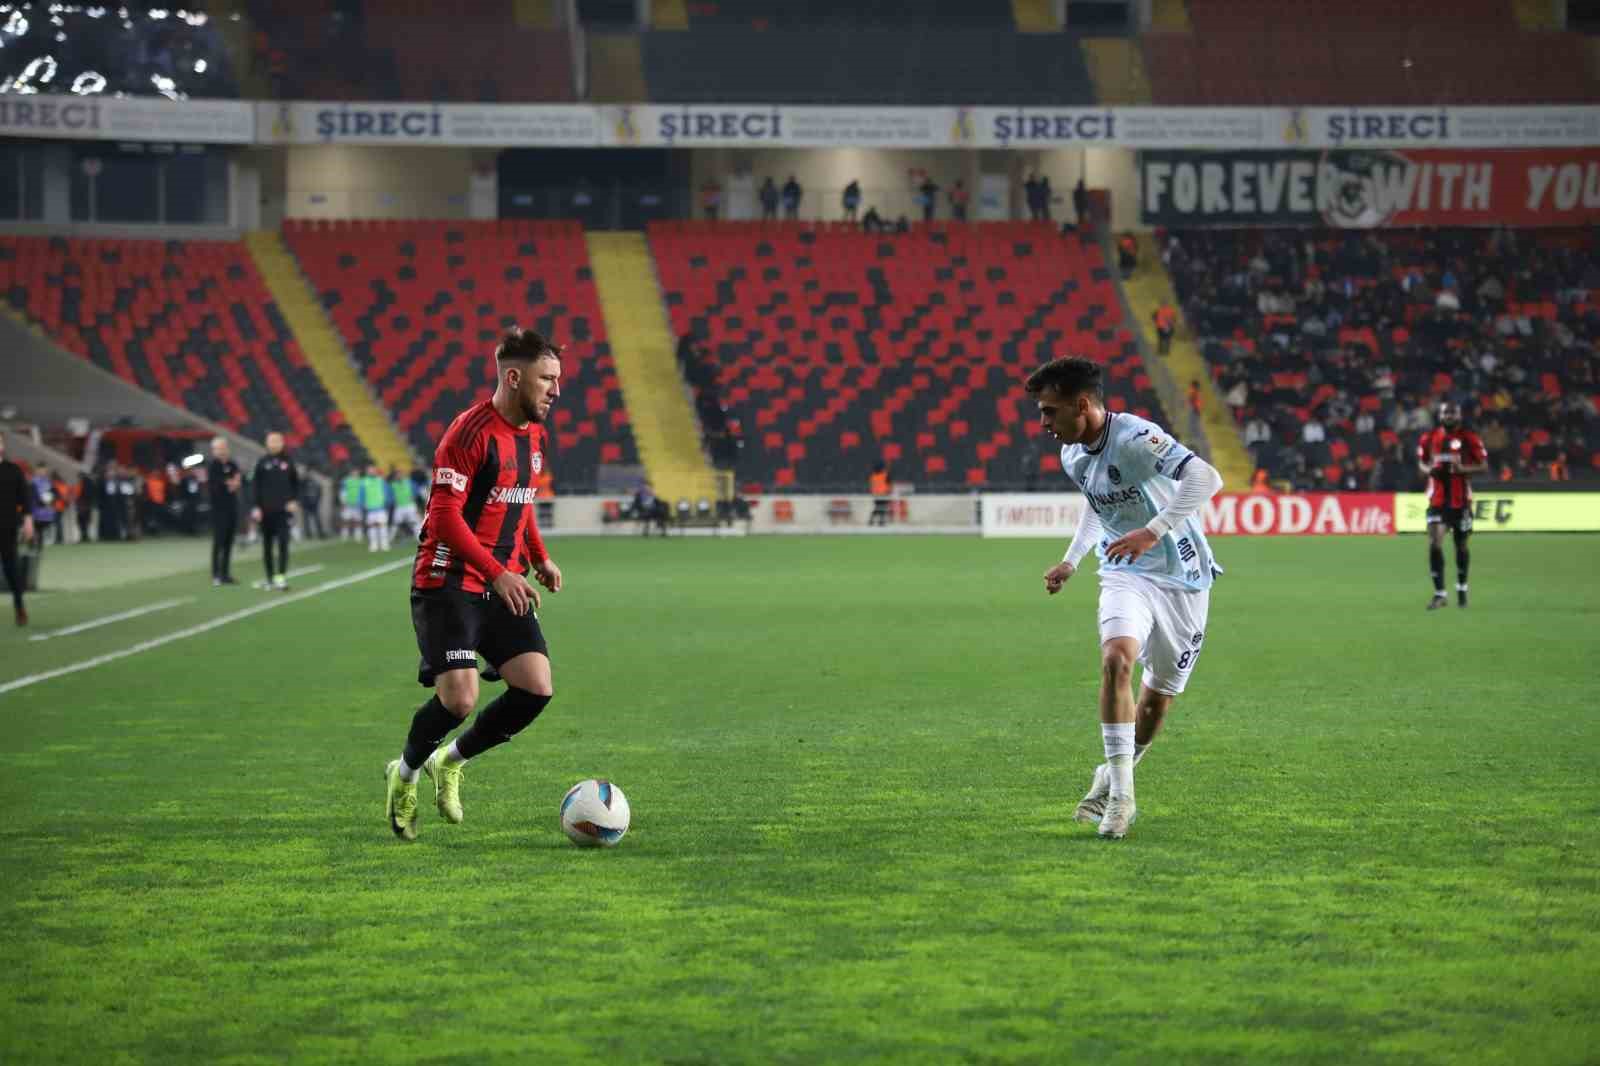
point(453, 627)
point(1455, 519)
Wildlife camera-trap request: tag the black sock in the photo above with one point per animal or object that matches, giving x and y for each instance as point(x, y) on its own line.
point(1436, 567)
point(1463, 557)
point(500, 721)
point(429, 726)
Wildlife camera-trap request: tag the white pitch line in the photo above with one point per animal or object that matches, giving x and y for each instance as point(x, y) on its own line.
point(204, 627)
point(287, 574)
point(120, 616)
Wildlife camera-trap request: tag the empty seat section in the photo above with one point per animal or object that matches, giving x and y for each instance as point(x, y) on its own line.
point(835, 348)
point(190, 321)
point(423, 304)
point(1247, 52)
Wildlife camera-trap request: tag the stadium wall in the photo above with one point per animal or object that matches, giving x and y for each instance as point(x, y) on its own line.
point(360, 181)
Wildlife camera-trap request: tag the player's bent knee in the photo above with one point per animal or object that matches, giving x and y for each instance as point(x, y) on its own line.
point(1116, 663)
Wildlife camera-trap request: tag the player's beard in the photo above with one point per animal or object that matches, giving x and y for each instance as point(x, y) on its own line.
point(530, 411)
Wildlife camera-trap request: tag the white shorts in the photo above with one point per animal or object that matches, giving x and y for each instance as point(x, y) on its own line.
point(1169, 624)
point(377, 518)
point(406, 516)
point(350, 515)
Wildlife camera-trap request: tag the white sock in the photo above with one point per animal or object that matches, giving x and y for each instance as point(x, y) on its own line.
point(454, 754)
point(407, 772)
point(1118, 737)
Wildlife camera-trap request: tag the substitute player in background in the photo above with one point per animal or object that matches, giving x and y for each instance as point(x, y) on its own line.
point(1143, 492)
point(468, 594)
point(350, 505)
point(1448, 456)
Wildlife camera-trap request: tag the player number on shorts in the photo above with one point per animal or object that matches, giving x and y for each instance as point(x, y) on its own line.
point(1187, 659)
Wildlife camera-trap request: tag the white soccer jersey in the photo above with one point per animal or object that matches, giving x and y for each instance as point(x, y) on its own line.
point(1128, 475)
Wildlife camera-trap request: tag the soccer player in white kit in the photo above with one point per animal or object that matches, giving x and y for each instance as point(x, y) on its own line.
point(1143, 492)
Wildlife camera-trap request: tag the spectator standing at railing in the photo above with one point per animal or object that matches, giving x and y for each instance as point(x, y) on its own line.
point(959, 198)
point(928, 198)
point(851, 200)
point(769, 200)
point(1080, 204)
point(791, 199)
point(711, 198)
point(15, 518)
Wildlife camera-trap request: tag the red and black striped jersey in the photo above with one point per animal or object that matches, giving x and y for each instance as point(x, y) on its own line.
point(480, 513)
point(1447, 486)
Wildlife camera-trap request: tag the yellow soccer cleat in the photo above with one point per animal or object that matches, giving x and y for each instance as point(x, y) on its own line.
point(446, 777)
point(400, 803)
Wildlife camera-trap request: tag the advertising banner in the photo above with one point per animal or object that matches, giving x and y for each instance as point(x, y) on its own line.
point(1301, 513)
point(447, 125)
point(1371, 189)
point(1463, 127)
point(1130, 127)
point(1512, 512)
point(109, 118)
point(770, 126)
point(1031, 514)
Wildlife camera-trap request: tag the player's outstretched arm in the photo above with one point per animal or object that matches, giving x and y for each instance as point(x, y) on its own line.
point(1083, 538)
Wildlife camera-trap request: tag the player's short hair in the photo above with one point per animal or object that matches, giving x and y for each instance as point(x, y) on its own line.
point(524, 346)
point(1069, 377)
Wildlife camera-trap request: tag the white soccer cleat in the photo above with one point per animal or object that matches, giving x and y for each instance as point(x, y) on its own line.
point(1119, 815)
point(1093, 805)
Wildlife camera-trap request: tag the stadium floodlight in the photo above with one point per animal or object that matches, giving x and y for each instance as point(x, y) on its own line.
point(38, 72)
point(199, 66)
point(89, 83)
point(17, 24)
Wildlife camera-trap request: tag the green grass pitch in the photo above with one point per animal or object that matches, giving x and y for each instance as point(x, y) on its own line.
point(1370, 834)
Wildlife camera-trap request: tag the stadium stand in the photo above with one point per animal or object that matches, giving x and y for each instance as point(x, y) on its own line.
point(1251, 53)
point(422, 305)
point(818, 58)
point(835, 347)
point(190, 321)
point(409, 51)
point(1333, 347)
point(61, 48)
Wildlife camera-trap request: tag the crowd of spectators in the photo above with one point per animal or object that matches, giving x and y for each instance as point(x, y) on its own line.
point(1333, 348)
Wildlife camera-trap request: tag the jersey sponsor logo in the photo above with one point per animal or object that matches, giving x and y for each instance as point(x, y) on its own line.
point(450, 479)
point(460, 655)
point(511, 494)
point(1114, 474)
point(1104, 501)
point(1160, 445)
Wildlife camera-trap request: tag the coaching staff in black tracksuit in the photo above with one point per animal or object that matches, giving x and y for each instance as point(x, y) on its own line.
point(223, 478)
point(277, 487)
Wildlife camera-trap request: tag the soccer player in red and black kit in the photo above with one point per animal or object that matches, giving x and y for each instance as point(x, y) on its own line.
point(468, 593)
point(1448, 455)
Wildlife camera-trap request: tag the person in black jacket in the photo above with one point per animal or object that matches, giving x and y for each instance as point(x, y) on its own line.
point(277, 488)
point(16, 500)
point(223, 479)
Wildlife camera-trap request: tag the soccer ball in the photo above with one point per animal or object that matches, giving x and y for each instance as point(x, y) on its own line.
point(595, 814)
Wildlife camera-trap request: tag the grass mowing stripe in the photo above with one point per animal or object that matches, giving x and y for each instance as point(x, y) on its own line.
point(120, 616)
point(204, 627)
